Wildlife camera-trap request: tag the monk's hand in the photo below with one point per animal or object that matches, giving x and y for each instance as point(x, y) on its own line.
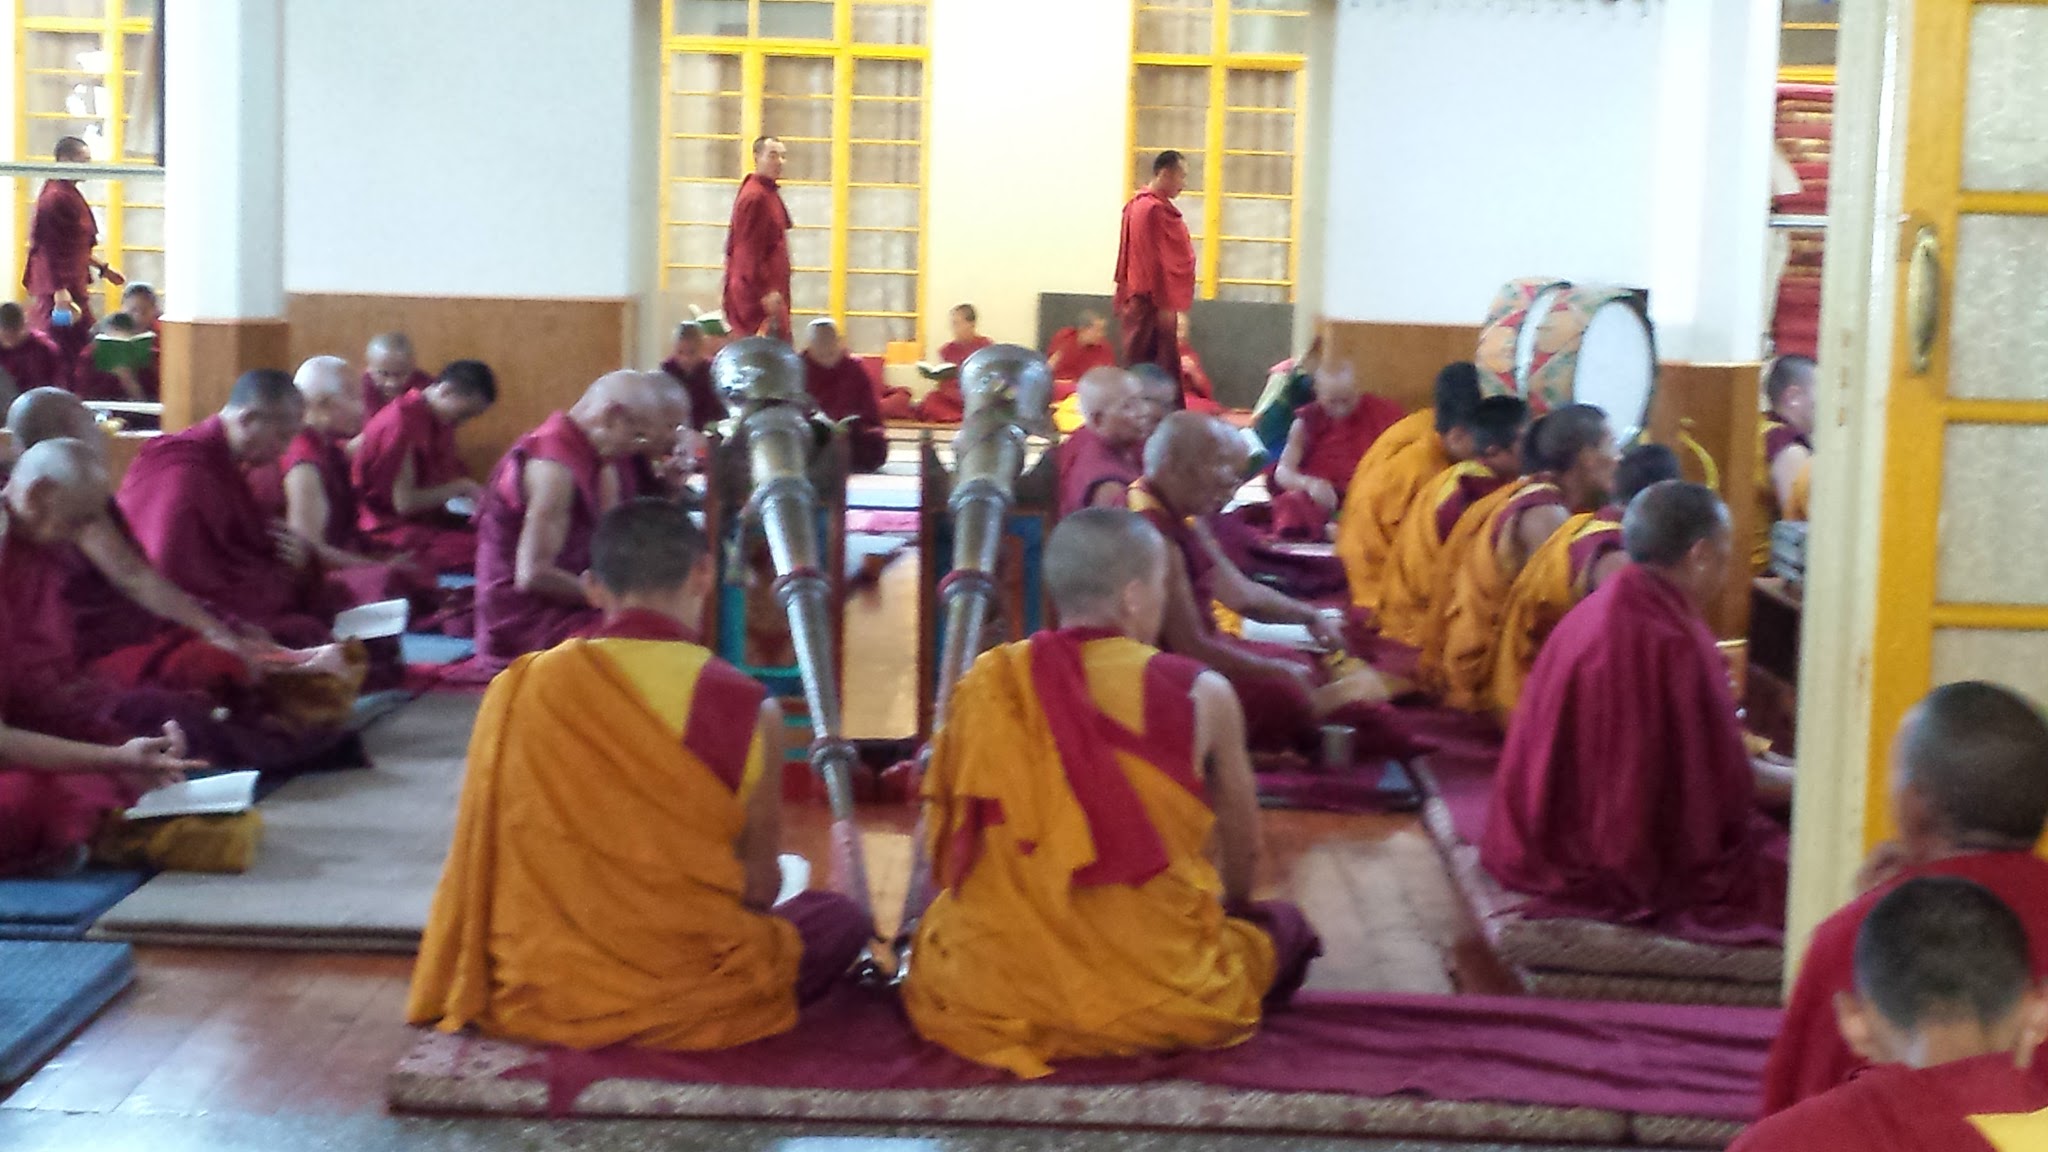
point(772, 303)
point(152, 762)
point(112, 276)
point(1327, 630)
point(1322, 492)
point(291, 547)
point(62, 299)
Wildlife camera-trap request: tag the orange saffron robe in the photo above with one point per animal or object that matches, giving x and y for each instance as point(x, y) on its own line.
point(1388, 478)
point(1414, 567)
point(1022, 959)
point(593, 892)
point(1552, 583)
point(1458, 648)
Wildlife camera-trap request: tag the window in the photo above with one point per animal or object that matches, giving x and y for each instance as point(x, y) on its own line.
point(1806, 41)
point(81, 64)
point(842, 83)
point(1224, 81)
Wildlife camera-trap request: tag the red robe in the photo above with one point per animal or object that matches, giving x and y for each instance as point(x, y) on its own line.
point(1331, 450)
point(61, 237)
point(407, 429)
point(1197, 392)
point(1983, 1104)
point(36, 362)
point(844, 390)
point(92, 384)
point(366, 583)
point(203, 528)
point(944, 404)
point(509, 622)
point(1625, 792)
point(1072, 360)
point(706, 408)
point(1155, 271)
point(757, 257)
point(1087, 462)
point(374, 399)
point(1809, 1056)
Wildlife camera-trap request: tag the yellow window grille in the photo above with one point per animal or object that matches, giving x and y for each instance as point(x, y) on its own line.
point(1806, 41)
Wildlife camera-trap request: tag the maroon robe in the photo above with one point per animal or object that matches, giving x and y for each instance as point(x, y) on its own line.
point(374, 399)
point(90, 383)
point(366, 583)
point(1625, 792)
point(844, 390)
point(1894, 1108)
point(1331, 449)
point(944, 404)
point(61, 237)
point(1155, 272)
point(1072, 360)
point(407, 429)
point(36, 362)
point(203, 528)
point(757, 258)
point(1087, 462)
point(509, 622)
point(706, 408)
point(1809, 1056)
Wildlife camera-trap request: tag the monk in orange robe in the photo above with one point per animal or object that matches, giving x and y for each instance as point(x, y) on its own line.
point(1092, 827)
point(1574, 562)
point(689, 362)
point(614, 871)
point(1970, 790)
point(1077, 350)
point(757, 266)
point(944, 404)
point(390, 370)
point(407, 468)
point(1155, 269)
point(1948, 1008)
point(1784, 450)
point(1412, 585)
point(1392, 474)
point(1568, 462)
point(1327, 439)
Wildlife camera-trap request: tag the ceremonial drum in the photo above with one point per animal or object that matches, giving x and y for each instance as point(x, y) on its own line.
point(1555, 343)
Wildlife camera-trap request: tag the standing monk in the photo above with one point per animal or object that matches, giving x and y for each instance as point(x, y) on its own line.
point(407, 468)
point(1412, 585)
point(544, 499)
point(757, 249)
point(689, 361)
point(58, 275)
point(1392, 473)
point(1785, 450)
point(29, 358)
point(1155, 268)
point(1328, 439)
point(390, 370)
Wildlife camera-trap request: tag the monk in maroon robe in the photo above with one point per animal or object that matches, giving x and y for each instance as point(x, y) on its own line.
point(1155, 268)
point(135, 384)
point(1625, 791)
point(390, 370)
point(58, 275)
point(1077, 351)
point(757, 249)
point(407, 468)
point(1970, 793)
point(543, 501)
point(1101, 459)
point(845, 395)
point(689, 362)
point(944, 404)
point(1327, 440)
point(1946, 1005)
point(29, 358)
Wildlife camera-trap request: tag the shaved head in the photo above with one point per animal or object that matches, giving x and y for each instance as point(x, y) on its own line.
point(1942, 949)
point(1180, 439)
point(389, 344)
point(41, 414)
point(630, 412)
point(1194, 463)
point(12, 318)
point(71, 150)
point(322, 377)
point(1102, 389)
point(57, 488)
point(1094, 557)
point(266, 388)
point(1977, 755)
point(1666, 520)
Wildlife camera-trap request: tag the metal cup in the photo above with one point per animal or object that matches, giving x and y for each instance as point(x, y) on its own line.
point(1339, 741)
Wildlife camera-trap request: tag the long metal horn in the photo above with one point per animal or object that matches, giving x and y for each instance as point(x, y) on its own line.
point(762, 380)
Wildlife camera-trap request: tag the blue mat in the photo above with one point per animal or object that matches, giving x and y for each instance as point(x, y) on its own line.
point(431, 648)
point(60, 909)
point(48, 990)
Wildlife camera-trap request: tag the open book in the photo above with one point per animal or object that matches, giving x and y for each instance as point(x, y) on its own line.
point(931, 370)
point(373, 621)
point(112, 351)
point(225, 794)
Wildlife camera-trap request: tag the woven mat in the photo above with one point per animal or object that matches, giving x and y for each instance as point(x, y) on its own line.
point(48, 990)
point(60, 909)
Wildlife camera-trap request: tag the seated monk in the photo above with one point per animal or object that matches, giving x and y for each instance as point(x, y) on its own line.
point(1393, 472)
point(1290, 387)
point(1324, 446)
point(1570, 566)
point(1970, 790)
point(845, 395)
point(615, 854)
point(319, 501)
point(944, 404)
point(1568, 463)
point(1414, 572)
point(1191, 469)
point(1099, 460)
point(389, 371)
point(1952, 1016)
point(545, 497)
point(1625, 792)
point(1784, 450)
point(689, 362)
point(1092, 827)
point(1076, 350)
point(28, 357)
point(95, 377)
point(1198, 394)
point(407, 468)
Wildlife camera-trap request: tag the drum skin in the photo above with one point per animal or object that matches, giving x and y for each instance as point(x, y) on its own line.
point(1536, 344)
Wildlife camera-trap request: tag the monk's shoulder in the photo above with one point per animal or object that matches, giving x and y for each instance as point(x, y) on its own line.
point(1837, 1119)
point(724, 687)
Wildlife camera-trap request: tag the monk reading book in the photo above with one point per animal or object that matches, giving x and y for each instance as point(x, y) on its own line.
point(1093, 832)
point(1947, 1007)
point(1414, 575)
point(390, 370)
point(845, 395)
point(119, 363)
point(544, 499)
point(1970, 791)
point(1393, 472)
point(1155, 268)
point(1076, 350)
point(320, 499)
point(944, 404)
point(1784, 451)
point(28, 357)
point(689, 362)
point(1099, 460)
point(1569, 567)
point(407, 468)
point(757, 267)
point(615, 854)
point(1324, 445)
point(1625, 792)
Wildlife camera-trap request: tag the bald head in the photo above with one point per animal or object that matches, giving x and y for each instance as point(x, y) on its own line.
point(389, 344)
point(1094, 558)
point(1668, 520)
point(1976, 755)
point(334, 404)
point(630, 412)
point(41, 414)
point(1181, 439)
point(322, 377)
point(57, 488)
point(1108, 397)
point(1192, 461)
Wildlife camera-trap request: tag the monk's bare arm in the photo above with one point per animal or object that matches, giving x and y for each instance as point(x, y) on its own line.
point(150, 761)
point(410, 499)
point(1288, 472)
point(1109, 494)
point(1532, 529)
point(129, 571)
point(761, 838)
point(1605, 568)
point(305, 502)
point(550, 494)
point(1246, 596)
point(1185, 635)
point(1785, 474)
point(1233, 792)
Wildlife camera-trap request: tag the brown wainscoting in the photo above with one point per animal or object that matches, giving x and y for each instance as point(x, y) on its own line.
point(544, 351)
point(201, 359)
point(121, 450)
point(1715, 406)
point(1398, 361)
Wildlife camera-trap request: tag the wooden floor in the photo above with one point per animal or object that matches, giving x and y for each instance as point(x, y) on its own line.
point(208, 1032)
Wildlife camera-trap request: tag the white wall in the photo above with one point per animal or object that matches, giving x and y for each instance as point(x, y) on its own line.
point(10, 188)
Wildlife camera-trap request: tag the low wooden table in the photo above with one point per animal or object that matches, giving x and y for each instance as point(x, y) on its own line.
point(1771, 694)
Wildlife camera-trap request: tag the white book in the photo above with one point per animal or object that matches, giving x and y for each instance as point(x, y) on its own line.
point(461, 506)
point(796, 876)
point(372, 621)
point(225, 794)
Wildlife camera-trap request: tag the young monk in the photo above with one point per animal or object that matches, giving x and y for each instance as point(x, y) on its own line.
point(1393, 472)
point(1093, 831)
point(136, 384)
point(843, 392)
point(1327, 440)
point(1947, 1008)
point(1191, 469)
point(1625, 792)
point(407, 468)
point(543, 502)
point(1970, 790)
point(1784, 450)
point(1413, 578)
point(944, 403)
point(320, 499)
point(1198, 392)
point(615, 855)
point(1568, 466)
point(1099, 460)
point(1077, 349)
point(30, 358)
point(390, 370)
point(689, 362)
point(1569, 567)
